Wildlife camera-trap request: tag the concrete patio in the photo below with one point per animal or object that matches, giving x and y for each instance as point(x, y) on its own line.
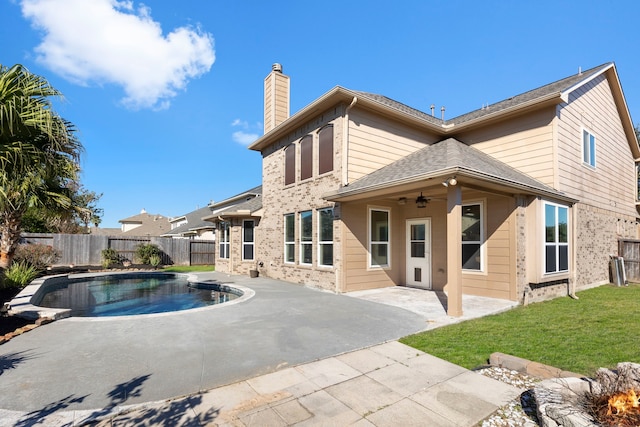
point(286, 352)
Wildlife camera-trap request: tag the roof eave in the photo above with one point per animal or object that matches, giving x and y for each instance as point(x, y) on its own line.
point(460, 172)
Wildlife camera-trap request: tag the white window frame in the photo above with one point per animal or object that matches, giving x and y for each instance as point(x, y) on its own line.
point(289, 244)
point(323, 243)
point(556, 243)
point(249, 243)
point(306, 244)
point(589, 142)
point(225, 234)
point(371, 242)
point(480, 242)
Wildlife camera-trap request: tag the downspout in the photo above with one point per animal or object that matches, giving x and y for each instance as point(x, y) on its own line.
point(345, 142)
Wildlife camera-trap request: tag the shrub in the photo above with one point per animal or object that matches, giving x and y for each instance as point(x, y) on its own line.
point(19, 274)
point(154, 260)
point(36, 255)
point(110, 256)
point(145, 251)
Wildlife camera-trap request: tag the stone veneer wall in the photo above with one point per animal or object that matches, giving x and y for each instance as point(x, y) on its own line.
point(279, 200)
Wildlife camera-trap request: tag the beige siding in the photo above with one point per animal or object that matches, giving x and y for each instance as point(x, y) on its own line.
point(611, 185)
point(376, 141)
point(357, 274)
point(524, 143)
point(499, 280)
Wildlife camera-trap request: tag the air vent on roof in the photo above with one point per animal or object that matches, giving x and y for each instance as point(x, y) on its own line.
point(276, 67)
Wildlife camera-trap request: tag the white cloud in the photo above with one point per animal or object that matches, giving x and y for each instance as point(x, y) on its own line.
point(244, 138)
point(112, 42)
point(241, 123)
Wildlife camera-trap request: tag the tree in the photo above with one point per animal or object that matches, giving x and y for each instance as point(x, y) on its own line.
point(39, 154)
point(74, 221)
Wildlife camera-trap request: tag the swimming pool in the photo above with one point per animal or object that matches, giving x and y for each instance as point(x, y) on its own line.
point(132, 294)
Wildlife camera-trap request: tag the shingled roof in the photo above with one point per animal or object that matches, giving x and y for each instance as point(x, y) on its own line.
point(194, 223)
point(446, 157)
point(555, 88)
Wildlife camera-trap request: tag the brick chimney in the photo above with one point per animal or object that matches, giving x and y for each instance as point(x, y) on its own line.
point(276, 98)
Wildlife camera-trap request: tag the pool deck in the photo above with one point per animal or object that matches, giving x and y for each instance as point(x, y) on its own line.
point(288, 350)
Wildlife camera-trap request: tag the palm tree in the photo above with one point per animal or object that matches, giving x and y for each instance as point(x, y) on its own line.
point(39, 153)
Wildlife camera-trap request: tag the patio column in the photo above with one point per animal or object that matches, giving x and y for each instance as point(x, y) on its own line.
point(454, 251)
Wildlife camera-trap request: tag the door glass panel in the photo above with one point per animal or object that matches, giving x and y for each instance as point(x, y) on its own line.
point(417, 249)
point(417, 232)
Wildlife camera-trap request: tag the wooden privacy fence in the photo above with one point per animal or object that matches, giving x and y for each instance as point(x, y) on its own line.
point(629, 250)
point(86, 249)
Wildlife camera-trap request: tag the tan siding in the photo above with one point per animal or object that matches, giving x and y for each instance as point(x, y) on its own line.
point(375, 141)
point(611, 185)
point(524, 143)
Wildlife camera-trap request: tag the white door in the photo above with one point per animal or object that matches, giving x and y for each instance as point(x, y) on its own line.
point(419, 253)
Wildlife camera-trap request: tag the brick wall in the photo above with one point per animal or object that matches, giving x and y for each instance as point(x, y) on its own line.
point(279, 200)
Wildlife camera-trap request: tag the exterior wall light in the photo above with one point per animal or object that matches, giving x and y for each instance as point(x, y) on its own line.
point(450, 181)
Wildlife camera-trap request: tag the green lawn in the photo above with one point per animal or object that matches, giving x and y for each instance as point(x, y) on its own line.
point(599, 329)
point(189, 269)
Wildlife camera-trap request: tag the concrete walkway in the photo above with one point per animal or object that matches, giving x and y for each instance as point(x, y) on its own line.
point(290, 354)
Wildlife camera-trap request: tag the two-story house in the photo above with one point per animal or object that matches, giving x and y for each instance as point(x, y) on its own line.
point(521, 199)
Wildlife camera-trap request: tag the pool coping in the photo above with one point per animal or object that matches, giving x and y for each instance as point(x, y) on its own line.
point(21, 305)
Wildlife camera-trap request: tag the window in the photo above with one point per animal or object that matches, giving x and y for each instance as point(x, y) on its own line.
point(290, 164)
point(306, 237)
point(325, 149)
point(325, 237)
point(306, 157)
point(224, 240)
point(378, 238)
point(556, 243)
point(472, 237)
point(247, 239)
point(289, 238)
point(588, 148)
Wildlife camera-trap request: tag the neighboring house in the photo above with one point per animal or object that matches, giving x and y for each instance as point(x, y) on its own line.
point(235, 220)
point(520, 200)
point(144, 224)
point(192, 226)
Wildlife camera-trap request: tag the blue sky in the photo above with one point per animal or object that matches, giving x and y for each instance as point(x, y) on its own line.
point(167, 95)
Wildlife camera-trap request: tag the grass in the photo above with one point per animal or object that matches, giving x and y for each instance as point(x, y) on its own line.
point(189, 268)
point(599, 329)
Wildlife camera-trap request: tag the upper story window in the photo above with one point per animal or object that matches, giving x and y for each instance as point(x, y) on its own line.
point(289, 238)
point(472, 237)
point(325, 237)
point(306, 237)
point(379, 241)
point(556, 239)
point(588, 148)
point(247, 239)
point(306, 157)
point(325, 149)
point(290, 164)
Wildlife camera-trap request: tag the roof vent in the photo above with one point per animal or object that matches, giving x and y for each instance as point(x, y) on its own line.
point(276, 67)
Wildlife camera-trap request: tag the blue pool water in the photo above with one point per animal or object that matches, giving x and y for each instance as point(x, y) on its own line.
point(131, 294)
